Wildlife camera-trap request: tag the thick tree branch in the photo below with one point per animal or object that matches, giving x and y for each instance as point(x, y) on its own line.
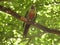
point(9, 11)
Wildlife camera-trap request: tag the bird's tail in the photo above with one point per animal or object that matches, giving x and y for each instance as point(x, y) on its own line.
point(26, 30)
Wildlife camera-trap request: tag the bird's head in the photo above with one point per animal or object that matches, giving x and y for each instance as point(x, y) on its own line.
point(33, 7)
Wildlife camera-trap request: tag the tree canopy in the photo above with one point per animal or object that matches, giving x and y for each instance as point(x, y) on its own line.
point(11, 29)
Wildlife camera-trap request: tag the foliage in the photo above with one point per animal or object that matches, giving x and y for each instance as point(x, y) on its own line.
point(11, 29)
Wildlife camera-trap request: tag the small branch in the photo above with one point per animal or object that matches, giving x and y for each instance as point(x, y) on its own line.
point(9, 11)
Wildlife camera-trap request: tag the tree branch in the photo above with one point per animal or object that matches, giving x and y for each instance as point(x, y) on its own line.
point(9, 11)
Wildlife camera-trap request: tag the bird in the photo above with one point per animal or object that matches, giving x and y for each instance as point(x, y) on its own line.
point(31, 16)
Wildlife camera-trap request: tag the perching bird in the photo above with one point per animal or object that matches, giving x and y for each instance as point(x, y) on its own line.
point(30, 15)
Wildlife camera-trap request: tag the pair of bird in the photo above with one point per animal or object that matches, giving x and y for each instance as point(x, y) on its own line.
point(30, 15)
